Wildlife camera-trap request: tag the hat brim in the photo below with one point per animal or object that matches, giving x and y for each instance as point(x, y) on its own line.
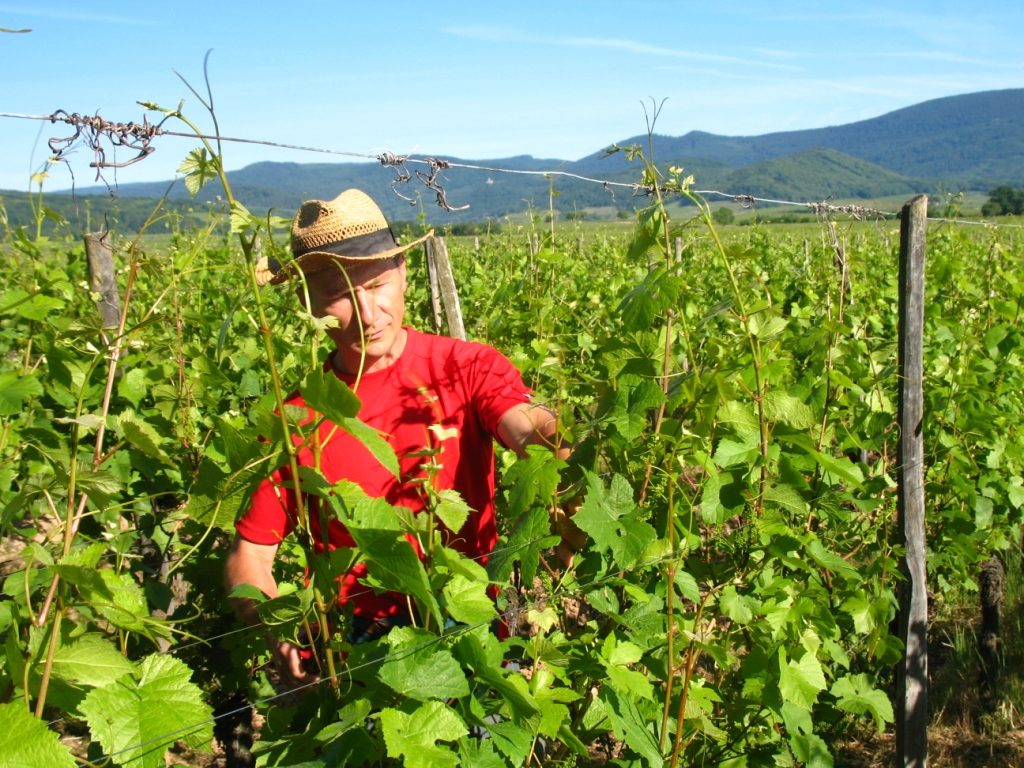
point(314, 261)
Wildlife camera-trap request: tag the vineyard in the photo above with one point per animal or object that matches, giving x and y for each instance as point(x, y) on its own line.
point(732, 402)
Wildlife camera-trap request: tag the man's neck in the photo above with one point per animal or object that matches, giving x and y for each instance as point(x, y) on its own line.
point(351, 364)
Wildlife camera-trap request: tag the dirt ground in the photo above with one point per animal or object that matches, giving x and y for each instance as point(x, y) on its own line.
point(948, 747)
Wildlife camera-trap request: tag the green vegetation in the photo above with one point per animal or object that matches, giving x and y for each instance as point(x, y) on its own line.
point(1004, 201)
point(959, 143)
point(723, 216)
point(734, 416)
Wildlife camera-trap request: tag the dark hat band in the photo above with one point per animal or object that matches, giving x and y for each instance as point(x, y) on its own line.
point(358, 246)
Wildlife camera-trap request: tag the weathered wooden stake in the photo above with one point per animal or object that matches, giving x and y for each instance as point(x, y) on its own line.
point(435, 290)
point(102, 277)
point(912, 674)
point(437, 253)
point(991, 581)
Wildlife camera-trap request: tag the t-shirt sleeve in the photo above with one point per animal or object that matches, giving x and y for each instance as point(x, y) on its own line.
point(497, 386)
point(269, 517)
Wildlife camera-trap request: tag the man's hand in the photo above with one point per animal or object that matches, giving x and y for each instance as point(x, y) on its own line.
point(289, 663)
point(249, 563)
point(573, 539)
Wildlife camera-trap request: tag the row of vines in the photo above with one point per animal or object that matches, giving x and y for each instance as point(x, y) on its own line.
point(733, 412)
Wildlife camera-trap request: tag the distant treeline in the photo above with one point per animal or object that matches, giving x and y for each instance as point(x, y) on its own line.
point(1004, 201)
point(73, 215)
point(76, 214)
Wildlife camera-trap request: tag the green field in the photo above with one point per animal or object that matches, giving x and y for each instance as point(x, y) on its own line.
point(734, 415)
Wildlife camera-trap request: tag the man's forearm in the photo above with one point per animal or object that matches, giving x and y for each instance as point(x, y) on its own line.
point(243, 566)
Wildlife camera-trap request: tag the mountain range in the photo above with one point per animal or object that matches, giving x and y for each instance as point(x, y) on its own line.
point(957, 143)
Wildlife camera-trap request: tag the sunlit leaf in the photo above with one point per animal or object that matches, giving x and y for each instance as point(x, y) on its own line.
point(140, 716)
point(415, 736)
point(417, 667)
point(26, 742)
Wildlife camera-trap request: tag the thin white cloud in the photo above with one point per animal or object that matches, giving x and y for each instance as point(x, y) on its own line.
point(496, 35)
point(62, 15)
point(773, 53)
point(947, 57)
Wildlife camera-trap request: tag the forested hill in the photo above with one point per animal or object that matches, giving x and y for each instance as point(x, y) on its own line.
point(968, 142)
point(975, 138)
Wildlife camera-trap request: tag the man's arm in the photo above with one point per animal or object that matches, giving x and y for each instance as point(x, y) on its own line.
point(528, 424)
point(249, 563)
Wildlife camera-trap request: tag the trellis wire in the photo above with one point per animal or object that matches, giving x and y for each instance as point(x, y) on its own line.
point(171, 736)
point(138, 136)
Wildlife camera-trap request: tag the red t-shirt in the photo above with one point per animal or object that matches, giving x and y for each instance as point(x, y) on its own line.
point(436, 381)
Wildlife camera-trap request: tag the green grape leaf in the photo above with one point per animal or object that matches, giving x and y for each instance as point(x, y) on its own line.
point(609, 517)
point(855, 694)
point(90, 660)
point(480, 754)
point(136, 718)
point(142, 435)
point(735, 606)
point(467, 600)
point(327, 394)
point(132, 386)
point(529, 535)
point(126, 607)
point(479, 650)
point(781, 407)
point(630, 726)
point(787, 497)
point(415, 736)
point(26, 742)
point(452, 510)
point(840, 469)
point(511, 740)
point(800, 681)
point(415, 668)
point(391, 559)
point(531, 479)
point(198, 167)
point(740, 417)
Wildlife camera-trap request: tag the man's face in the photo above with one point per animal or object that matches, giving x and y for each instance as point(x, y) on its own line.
point(369, 306)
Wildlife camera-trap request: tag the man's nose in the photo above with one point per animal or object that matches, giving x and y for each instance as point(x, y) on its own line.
point(366, 306)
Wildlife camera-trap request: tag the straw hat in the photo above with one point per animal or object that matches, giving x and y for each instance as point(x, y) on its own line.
point(350, 228)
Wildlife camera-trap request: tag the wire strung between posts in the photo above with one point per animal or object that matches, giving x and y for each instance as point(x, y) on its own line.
point(93, 129)
point(171, 736)
point(138, 137)
point(456, 631)
point(207, 641)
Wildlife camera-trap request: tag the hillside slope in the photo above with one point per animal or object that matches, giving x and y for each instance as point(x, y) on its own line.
point(968, 142)
point(973, 137)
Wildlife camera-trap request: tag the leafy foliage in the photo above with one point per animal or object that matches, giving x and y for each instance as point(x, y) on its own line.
point(1004, 200)
point(969, 141)
point(733, 417)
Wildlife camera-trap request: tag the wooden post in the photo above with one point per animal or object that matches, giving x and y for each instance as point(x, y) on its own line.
point(991, 582)
point(912, 674)
point(435, 290)
point(438, 251)
point(102, 277)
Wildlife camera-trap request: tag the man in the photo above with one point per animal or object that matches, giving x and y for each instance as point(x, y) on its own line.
point(450, 397)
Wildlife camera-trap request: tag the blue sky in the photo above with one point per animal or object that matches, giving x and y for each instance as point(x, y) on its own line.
point(480, 80)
